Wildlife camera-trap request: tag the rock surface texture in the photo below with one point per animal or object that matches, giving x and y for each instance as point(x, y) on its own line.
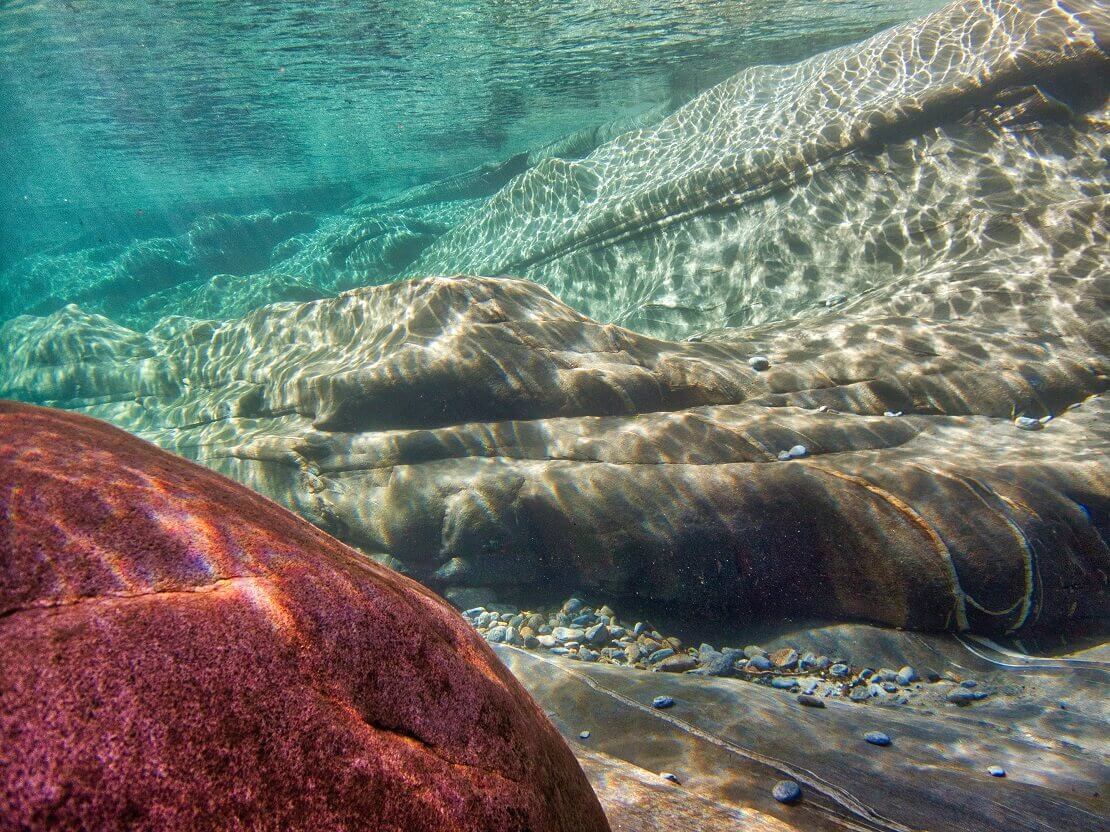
point(911, 233)
point(177, 652)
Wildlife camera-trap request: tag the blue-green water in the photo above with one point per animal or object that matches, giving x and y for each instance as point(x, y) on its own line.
point(644, 333)
point(130, 119)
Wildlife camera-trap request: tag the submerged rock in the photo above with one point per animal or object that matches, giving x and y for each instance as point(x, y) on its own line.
point(786, 791)
point(481, 432)
point(181, 653)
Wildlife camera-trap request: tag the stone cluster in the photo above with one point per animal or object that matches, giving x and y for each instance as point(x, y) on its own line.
point(581, 632)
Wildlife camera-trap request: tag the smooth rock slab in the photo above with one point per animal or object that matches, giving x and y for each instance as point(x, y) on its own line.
point(179, 653)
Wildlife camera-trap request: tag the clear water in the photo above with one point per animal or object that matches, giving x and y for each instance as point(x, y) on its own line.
point(148, 115)
point(780, 329)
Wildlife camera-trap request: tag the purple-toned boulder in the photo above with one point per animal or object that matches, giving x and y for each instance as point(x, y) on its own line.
point(177, 652)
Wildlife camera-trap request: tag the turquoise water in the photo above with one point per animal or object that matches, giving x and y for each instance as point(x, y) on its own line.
point(749, 354)
point(126, 120)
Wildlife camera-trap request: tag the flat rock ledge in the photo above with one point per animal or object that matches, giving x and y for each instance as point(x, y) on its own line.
point(477, 432)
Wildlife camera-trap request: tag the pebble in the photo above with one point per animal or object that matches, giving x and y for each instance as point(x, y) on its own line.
point(963, 696)
point(584, 735)
point(597, 634)
point(572, 606)
point(759, 362)
point(659, 655)
point(810, 700)
point(1028, 423)
point(760, 663)
point(666, 775)
point(785, 658)
point(568, 634)
point(996, 771)
point(678, 664)
point(662, 702)
point(969, 683)
point(786, 791)
point(907, 675)
point(877, 738)
point(797, 451)
point(579, 632)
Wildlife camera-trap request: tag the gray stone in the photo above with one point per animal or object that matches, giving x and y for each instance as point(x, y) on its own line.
point(759, 662)
point(597, 634)
point(568, 634)
point(659, 655)
point(840, 671)
point(547, 640)
point(786, 791)
point(810, 701)
point(877, 738)
point(679, 663)
point(496, 635)
point(963, 696)
point(784, 683)
point(662, 702)
point(996, 771)
point(753, 650)
point(906, 676)
point(759, 362)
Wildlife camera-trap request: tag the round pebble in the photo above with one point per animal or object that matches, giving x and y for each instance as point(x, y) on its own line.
point(786, 791)
point(996, 771)
point(877, 738)
point(810, 701)
point(584, 735)
point(666, 775)
point(759, 362)
point(662, 702)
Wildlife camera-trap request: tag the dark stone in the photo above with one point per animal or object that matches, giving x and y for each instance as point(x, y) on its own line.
point(786, 791)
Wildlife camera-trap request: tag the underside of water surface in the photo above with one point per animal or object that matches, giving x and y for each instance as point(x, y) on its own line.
point(748, 355)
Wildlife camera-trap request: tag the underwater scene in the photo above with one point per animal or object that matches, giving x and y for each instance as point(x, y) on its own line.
point(492, 416)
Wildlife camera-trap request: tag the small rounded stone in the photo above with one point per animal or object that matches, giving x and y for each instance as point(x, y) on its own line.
point(666, 775)
point(877, 738)
point(759, 362)
point(584, 735)
point(810, 700)
point(996, 771)
point(662, 702)
point(786, 791)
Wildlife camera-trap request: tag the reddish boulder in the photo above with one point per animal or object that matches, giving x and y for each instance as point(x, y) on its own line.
point(177, 652)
